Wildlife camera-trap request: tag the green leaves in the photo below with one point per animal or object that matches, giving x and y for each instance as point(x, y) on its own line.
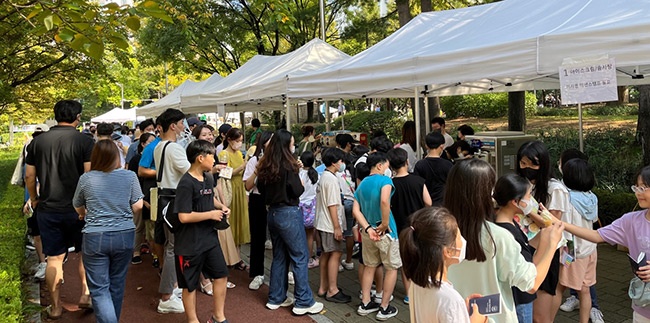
point(48, 21)
point(133, 23)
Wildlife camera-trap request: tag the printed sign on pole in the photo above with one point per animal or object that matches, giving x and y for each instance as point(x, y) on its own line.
point(587, 81)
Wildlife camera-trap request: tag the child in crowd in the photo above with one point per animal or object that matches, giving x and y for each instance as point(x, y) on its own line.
point(411, 194)
point(309, 178)
point(330, 224)
point(197, 248)
point(580, 275)
point(631, 230)
point(429, 245)
point(380, 246)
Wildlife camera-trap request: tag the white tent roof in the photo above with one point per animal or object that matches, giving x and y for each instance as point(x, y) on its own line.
point(175, 98)
point(116, 115)
point(470, 50)
point(262, 81)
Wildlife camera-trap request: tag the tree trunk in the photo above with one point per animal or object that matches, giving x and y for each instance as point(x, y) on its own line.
point(310, 112)
point(621, 97)
point(403, 11)
point(517, 111)
point(643, 125)
point(426, 5)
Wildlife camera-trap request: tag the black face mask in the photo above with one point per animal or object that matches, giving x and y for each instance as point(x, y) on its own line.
point(529, 173)
point(458, 138)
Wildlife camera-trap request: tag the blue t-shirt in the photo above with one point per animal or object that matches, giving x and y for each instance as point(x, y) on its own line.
point(146, 160)
point(368, 194)
point(108, 198)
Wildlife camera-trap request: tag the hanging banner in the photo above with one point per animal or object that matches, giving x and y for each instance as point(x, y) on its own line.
point(588, 81)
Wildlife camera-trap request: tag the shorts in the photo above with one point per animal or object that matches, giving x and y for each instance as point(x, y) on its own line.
point(349, 219)
point(580, 273)
point(328, 243)
point(59, 231)
point(385, 251)
point(189, 268)
point(32, 225)
point(553, 276)
point(149, 230)
point(159, 232)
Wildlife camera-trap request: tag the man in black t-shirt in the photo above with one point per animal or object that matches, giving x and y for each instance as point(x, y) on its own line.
point(57, 159)
point(434, 169)
point(196, 246)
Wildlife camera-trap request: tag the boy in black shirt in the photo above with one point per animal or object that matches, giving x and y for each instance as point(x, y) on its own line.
point(197, 246)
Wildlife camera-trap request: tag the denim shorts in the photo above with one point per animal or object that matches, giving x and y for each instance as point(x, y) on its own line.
point(349, 219)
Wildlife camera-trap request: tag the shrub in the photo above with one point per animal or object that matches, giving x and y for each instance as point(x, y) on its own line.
point(619, 110)
point(368, 121)
point(611, 205)
point(557, 112)
point(489, 105)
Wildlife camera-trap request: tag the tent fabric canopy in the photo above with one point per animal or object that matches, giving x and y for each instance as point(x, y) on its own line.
point(261, 83)
point(116, 115)
point(510, 45)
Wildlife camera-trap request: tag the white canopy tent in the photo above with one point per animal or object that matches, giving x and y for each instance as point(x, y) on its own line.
point(117, 115)
point(506, 46)
point(261, 83)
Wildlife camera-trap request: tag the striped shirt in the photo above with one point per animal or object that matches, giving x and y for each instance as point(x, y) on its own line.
point(108, 198)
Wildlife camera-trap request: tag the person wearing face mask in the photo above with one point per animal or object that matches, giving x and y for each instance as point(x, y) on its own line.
point(533, 163)
point(234, 192)
point(493, 262)
point(146, 126)
point(330, 224)
point(513, 196)
point(429, 245)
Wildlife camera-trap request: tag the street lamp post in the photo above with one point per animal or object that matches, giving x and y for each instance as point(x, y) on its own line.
point(122, 94)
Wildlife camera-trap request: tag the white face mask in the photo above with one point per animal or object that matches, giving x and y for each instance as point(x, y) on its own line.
point(462, 249)
point(236, 146)
point(560, 168)
point(292, 149)
point(530, 206)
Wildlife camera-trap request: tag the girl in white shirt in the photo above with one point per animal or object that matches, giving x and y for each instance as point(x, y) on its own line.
point(428, 247)
point(309, 177)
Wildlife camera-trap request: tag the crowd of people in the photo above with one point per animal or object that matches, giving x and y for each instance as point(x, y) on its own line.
point(455, 231)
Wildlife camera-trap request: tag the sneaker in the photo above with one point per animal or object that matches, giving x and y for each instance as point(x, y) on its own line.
point(144, 249)
point(406, 300)
point(340, 268)
point(373, 292)
point(287, 302)
point(256, 283)
point(136, 260)
point(314, 309)
point(386, 313)
point(313, 263)
point(570, 304)
point(364, 310)
point(596, 315)
point(30, 246)
point(155, 263)
point(268, 245)
point(291, 280)
point(213, 320)
point(40, 271)
point(355, 249)
point(172, 305)
point(178, 293)
point(339, 297)
point(379, 297)
point(347, 265)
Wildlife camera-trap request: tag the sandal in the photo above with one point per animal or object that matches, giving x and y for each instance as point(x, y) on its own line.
point(230, 285)
point(241, 266)
point(207, 288)
point(86, 305)
point(50, 316)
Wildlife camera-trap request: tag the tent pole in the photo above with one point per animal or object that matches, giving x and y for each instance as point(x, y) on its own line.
point(418, 151)
point(426, 110)
point(328, 118)
point(582, 144)
point(288, 112)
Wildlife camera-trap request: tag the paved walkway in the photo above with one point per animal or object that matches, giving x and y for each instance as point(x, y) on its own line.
point(244, 305)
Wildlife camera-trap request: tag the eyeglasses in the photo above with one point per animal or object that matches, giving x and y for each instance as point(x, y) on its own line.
point(639, 189)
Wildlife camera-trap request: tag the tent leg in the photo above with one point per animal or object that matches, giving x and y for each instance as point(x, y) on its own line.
point(328, 118)
point(426, 113)
point(580, 135)
point(418, 151)
point(288, 112)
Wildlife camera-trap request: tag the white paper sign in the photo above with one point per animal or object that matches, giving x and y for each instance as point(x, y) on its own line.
point(588, 81)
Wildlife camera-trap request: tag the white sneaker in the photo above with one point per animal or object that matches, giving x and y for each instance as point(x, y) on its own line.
point(256, 283)
point(268, 245)
point(314, 309)
point(40, 271)
point(340, 268)
point(172, 305)
point(372, 293)
point(379, 297)
point(596, 315)
point(291, 280)
point(347, 265)
point(178, 292)
point(570, 304)
point(287, 302)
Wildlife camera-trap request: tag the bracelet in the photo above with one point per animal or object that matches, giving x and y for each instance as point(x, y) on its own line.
point(368, 227)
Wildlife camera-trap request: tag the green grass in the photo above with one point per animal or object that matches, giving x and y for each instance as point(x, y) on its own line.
point(12, 235)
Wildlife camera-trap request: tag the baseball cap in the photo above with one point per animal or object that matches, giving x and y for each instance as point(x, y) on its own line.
point(194, 121)
point(224, 128)
point(343, 139)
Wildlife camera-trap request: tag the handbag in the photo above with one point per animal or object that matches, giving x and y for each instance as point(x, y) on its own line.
point(166, 197)
point(17, 177)
point(639, 292)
